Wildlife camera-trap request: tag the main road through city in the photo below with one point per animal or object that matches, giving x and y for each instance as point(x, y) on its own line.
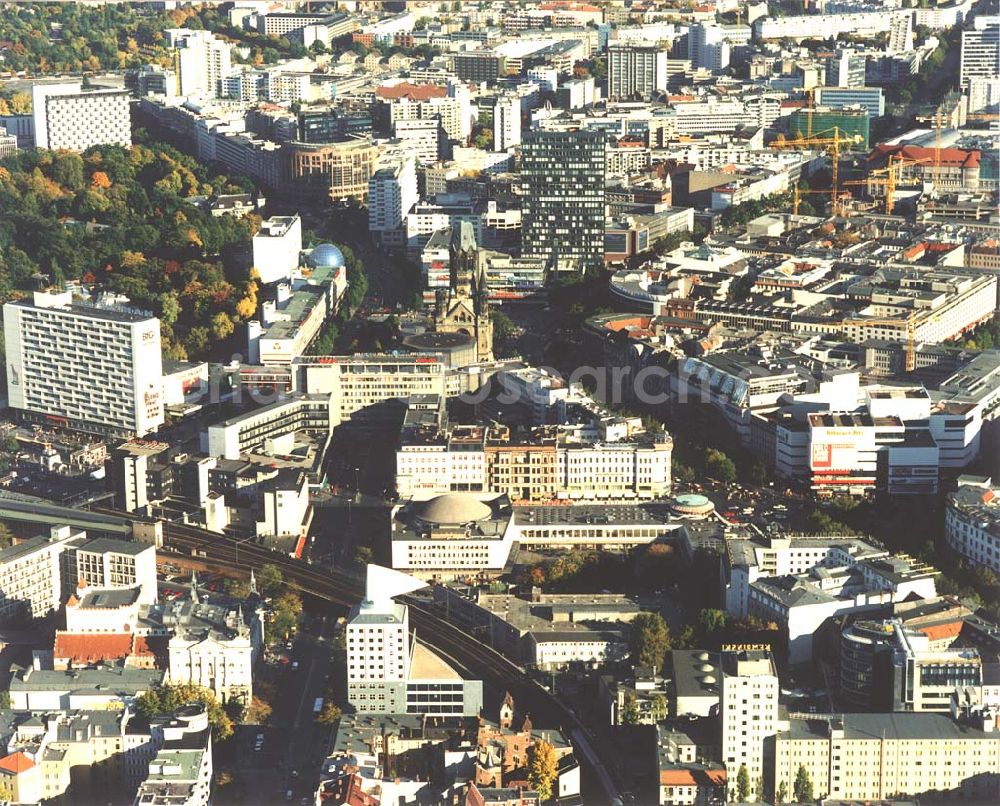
point(226, 553)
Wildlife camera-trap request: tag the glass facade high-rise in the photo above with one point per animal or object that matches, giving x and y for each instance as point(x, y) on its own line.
point(563, 206)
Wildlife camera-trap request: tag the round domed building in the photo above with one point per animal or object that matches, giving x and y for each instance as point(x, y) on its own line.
point(325, 256)
point(692, 506)
point(452, 536)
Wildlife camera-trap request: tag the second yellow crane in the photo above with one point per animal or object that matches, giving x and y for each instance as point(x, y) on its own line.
point(834, 145)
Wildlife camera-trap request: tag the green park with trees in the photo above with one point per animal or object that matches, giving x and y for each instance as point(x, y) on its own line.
point(124, 218)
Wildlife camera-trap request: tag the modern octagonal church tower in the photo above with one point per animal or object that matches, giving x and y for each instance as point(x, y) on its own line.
point(388, 670)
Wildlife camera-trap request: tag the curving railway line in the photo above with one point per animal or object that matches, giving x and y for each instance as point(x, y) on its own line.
point(497, 671)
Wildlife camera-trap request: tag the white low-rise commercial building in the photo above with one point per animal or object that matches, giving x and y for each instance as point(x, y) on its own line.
point(800, 582)
point(271, 427)
point(972, 521)
point(452, 535)
point(544, 631)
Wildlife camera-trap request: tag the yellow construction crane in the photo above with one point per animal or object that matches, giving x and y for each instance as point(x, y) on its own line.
point(893, 177)
point(797, 193)
point(833, 144)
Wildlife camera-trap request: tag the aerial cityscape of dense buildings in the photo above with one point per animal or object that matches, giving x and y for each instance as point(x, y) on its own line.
point(500, 404)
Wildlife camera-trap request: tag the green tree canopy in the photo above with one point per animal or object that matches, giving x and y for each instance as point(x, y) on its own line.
point(743, 784)
point(650, 640)
point(803, 786)
point(543, 767)
point(169, 697)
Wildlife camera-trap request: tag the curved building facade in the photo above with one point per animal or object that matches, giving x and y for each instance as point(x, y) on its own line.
point(338, 170)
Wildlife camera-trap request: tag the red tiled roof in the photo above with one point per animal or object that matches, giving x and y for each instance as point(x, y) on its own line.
point(140, 645)
point(347, 791)
point(473, 797)
point(84, 648)
point(687, 777)
point(676, 778)
point(938, 632)
point(414, 92)
point(16, 763)
point(950, 157)
point(636, 321)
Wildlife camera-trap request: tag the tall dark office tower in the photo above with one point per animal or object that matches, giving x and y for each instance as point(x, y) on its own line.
point(563, 208)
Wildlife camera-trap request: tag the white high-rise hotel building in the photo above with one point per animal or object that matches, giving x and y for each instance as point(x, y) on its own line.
point(64, 116)
point(84, 366)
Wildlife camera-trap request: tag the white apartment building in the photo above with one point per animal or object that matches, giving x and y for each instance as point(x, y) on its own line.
point(980, 55)
point(825, 26)
point(67, 117)
point(749, 711)
point(614, 470)
point(983, 92)
point(972, 521)
point(869, 757)
point(282, 505)
point(708, 47)
point(90, 367)
point(453, 113)
point(422, 137)
point(136, 457)
point(705, 117)
point(276, 248)
point(636, 71)
point(506, 122)
point(202, 59)
point(392, 193)
point(286, 88)
point(109, 563)
point(900, 33)
point(30, 576)
point(378, 643)
point(362, 384)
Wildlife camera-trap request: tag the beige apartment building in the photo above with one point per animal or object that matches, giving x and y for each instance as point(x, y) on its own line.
point(877, 756)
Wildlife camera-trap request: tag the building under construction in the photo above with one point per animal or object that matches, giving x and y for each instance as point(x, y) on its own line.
point(850, 123)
